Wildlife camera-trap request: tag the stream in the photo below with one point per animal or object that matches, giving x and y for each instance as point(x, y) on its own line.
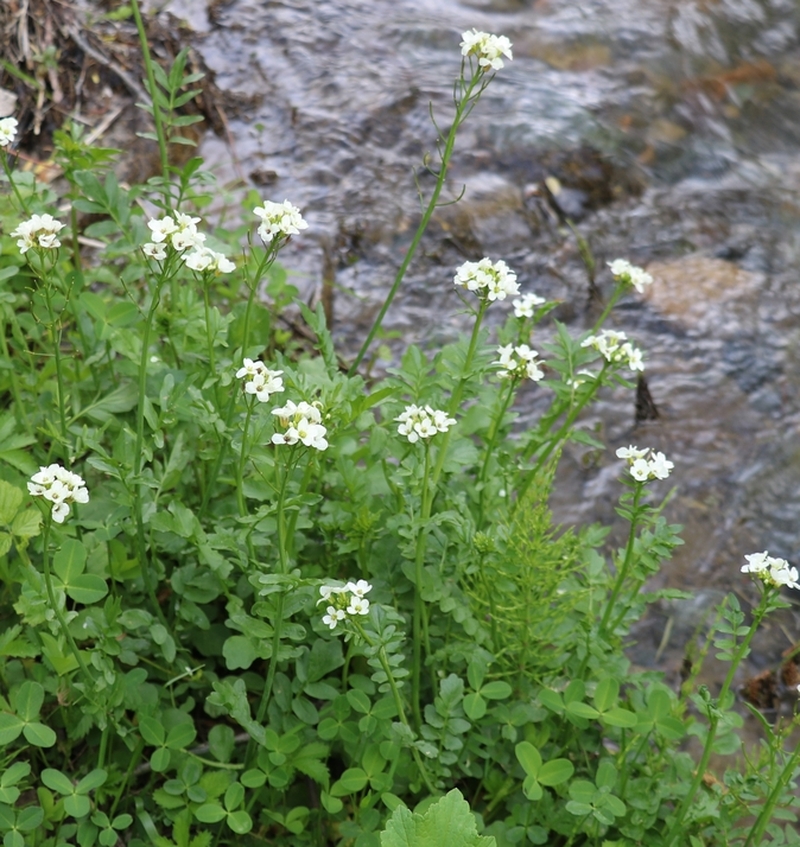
point(670, 131)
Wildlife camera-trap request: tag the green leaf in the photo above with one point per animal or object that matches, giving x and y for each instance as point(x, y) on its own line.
point(210, 813)
point(497, 690)
point(57, 781)
point(446, 823)
point(606, 694)
point(619, 717)
point(582, 710)
point(152, 731)
point(70, 560)
point(27, 524)
point(359, 701)
point(352, 780)
point(93, 779)
point(10, 501)
point(39, 735)
point(556, 771)
point(240, 822)
point(181, 736)
point(87, 588)
point(77, 805)
point(474, 706)
point(239, 652)
point(13, 774)
point(529, 757)
point(10, 728)
point(160, 759)
point(29, 699)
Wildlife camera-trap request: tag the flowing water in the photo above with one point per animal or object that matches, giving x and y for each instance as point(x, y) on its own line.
point(672, 128)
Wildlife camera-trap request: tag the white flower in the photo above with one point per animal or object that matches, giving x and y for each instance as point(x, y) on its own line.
point(41, 232)
point(334, 616)
point(490, 281)
point(422, 422)
point(771, 570)
point(527, 366)
point(632, 452)
point(630, 274)
point(488, 48)
point(60, 487)
point(344, 601)
point(614, 348)
point(204, 259)
point(161, 228)
point(155, 250)
point(660, 466)
point(260, 380)
point(279, 220)
point(642, 468)
point(359, 588)
point(8, 131)
point(525, 306)
point(303, 422)
point(358, 606)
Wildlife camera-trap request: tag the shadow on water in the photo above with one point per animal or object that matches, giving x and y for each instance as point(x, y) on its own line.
point(670, 131)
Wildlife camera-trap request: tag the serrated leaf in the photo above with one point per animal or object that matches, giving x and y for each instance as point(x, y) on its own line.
point(446, 823)
point(27, 524)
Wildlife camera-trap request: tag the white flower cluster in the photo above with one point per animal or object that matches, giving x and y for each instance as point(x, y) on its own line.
point(525, 306)
point(204, 259)
point(422, 422)
point(179, 231)
point(303, 423)
point(279, 220)
point(8, 131)
point(488, 48)
point(40, 232)
point(771, 570)
point(490, 281)
point(525, 365)
point(642, 468)
point(614, 347)
point(260, 380)
point(632, 275)
point(341, 602)
point(61, 487)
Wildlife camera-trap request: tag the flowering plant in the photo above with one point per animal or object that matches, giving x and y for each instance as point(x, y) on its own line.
point(60, 487)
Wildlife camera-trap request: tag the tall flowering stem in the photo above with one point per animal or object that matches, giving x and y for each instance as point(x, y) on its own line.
point(398, 702)
point(624, 568)
point(772, 573)
point(56, 606)
point(154, 94)
point(471, 83)
point(777, 790)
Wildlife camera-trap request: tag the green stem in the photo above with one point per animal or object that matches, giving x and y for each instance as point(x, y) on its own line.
point(19, 407)
point(10, 174)
point(283, 563)
point(742, 650)
point(154, 96)
point(622, 573)
point(222, 450)
point(491, 444)
point(138, 458)
point(398, 702)
point(463, 108)
point(765, 815)
point(132, 763)
point(243, 460)
point(56, 330)
point(51, 596)
point(419, 562)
